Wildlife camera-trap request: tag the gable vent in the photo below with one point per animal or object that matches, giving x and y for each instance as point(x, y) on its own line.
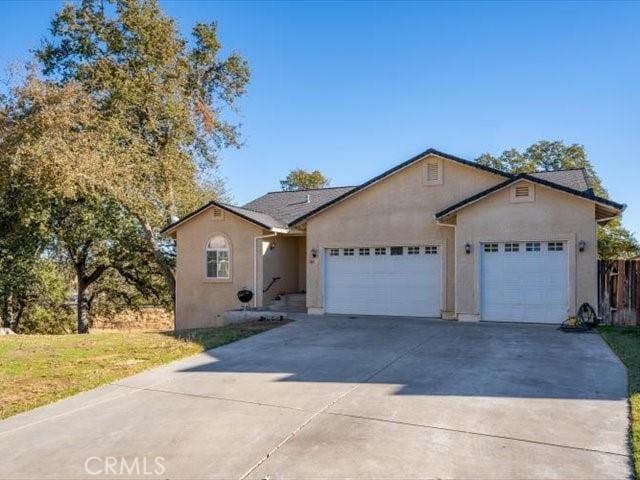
point(522, 191)
point(433, 172)
point(216, 212)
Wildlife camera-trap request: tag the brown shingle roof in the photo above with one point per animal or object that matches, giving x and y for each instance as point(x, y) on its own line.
point(287, 206)
point(575, 179)
point(283, 209)
point(260, 218)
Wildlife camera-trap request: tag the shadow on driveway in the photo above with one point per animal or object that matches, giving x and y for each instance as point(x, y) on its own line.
point(432, 357)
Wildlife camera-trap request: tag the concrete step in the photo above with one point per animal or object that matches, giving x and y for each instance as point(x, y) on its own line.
point(291, 302)
point(296, 310)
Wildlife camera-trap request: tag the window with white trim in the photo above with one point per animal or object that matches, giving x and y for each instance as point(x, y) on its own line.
point(380, 250)
point(555, 246)
point(413, 250)
point(218, 258)
point(511, 247)
point(490, 247)
point(431, 249)
point(334, 252)
point(396, 250)
point(347, 252)
point(363, 251)
point(533, 246)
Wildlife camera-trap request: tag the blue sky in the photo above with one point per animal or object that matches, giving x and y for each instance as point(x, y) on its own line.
point(355, 88)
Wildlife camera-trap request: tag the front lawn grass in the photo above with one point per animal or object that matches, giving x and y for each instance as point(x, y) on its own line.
point(625, 342)
point(39, 369)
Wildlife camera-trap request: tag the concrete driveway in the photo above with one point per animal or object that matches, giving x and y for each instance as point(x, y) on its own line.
point(338, 397)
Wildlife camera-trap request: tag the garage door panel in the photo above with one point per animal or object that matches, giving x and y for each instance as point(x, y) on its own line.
point(407, 285)
point(524, 286)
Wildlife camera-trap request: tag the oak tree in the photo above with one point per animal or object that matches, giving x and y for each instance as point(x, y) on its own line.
point(300, 179)
point(161, 101)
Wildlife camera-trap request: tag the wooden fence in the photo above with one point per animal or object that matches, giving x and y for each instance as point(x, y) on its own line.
point(619, 292)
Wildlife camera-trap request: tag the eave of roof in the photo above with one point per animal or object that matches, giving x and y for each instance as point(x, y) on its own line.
point(269, 222)
point(588, 195)
point(430, 151)
point(228, 208)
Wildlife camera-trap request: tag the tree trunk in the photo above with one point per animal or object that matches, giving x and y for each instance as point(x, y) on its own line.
point(83, 308)
point(16, 318)
point(7, 311)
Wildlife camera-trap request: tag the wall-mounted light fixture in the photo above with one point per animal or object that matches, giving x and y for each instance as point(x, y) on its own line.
point(272, 245)
point(582, 245)
point(467, 248)
point(314, 252)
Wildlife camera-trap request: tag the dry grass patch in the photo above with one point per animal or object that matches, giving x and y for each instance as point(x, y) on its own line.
point(144, 319)
point(39, 369)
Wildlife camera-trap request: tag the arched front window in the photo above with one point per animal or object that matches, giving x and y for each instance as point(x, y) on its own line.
point(218, 256)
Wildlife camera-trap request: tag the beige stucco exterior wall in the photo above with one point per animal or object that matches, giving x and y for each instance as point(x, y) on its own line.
point(281, 262)
point(553, 215)
point(399, 210)
point(201, 302)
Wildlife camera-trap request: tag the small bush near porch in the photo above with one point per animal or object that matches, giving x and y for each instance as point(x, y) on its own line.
point(39, 369)
point(625, 342)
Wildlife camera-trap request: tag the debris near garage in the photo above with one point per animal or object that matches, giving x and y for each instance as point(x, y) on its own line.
point(585, 320)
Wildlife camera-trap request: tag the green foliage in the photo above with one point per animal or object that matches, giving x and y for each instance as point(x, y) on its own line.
point(625, 342)
point(96, 237)
point(299, 179)
point(155, 94)
point(161, 103)
point(23, 226)
point(119, 136)
point(545, 156)
point(48, 321)
point(614, 241)
point(44, 214)
point(45, 307)
point(115, 294)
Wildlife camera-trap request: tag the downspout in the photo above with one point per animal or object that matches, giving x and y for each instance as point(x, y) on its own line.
point(255, 265)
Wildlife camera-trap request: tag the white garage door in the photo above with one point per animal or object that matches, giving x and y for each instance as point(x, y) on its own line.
point(383, 280)
point(524, 282)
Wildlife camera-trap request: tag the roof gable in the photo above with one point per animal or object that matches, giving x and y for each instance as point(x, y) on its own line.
point(396, 169)
point(257, 218)
point(284, 209)
point(587, 194)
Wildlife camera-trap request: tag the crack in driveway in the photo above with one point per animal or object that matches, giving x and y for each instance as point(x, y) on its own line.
point(329, 405)
point(323, 411)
